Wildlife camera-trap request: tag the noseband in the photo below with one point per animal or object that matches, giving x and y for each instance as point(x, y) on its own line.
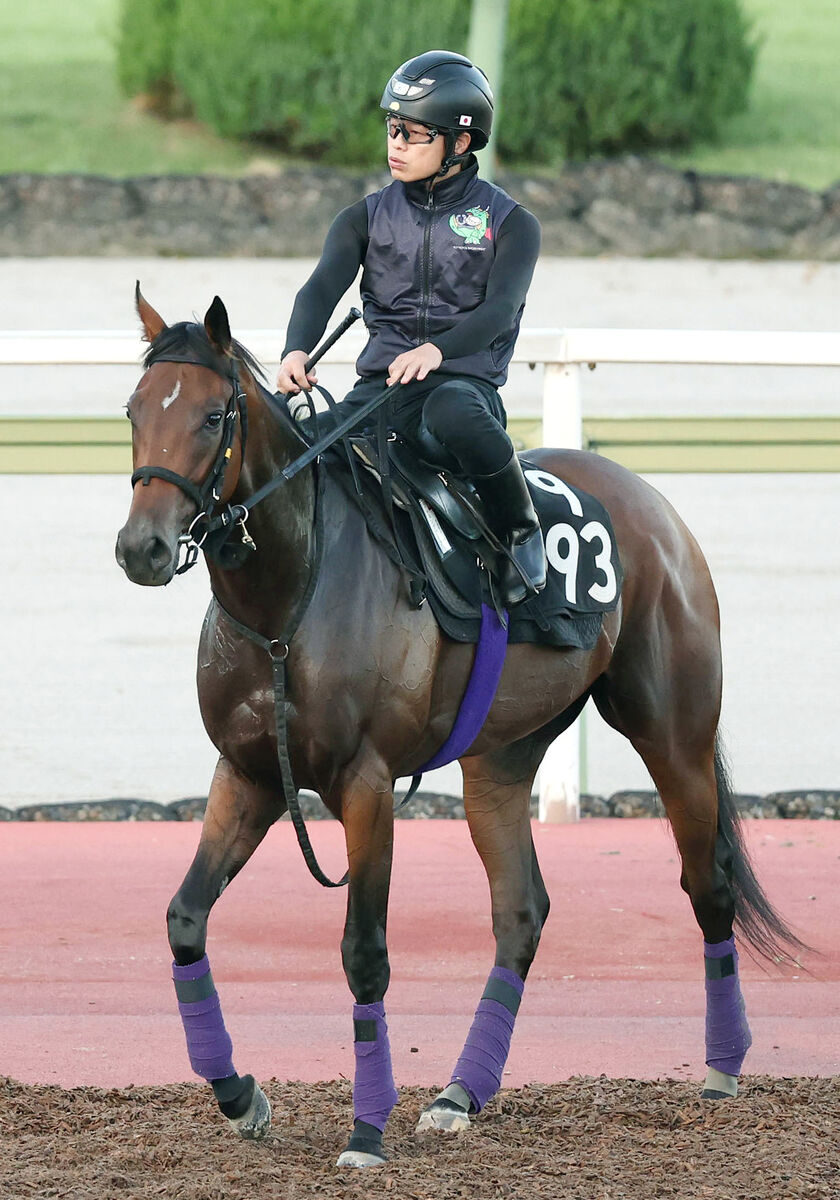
point(209, 493)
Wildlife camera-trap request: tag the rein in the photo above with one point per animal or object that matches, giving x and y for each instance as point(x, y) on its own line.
point(278, 651)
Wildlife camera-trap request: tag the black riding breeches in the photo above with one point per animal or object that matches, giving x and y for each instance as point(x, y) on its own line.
point(465, 415)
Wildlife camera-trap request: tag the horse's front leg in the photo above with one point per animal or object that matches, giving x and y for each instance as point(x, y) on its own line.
point(497, 793)
point(367, 808)
point(239, 812)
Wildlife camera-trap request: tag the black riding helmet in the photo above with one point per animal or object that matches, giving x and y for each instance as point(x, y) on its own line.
point(444, 90)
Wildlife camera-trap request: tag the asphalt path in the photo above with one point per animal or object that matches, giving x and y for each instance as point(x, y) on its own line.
point(97, 696)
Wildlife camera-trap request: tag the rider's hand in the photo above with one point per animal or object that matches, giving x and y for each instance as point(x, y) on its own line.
point(292, 377)
point(414, 364)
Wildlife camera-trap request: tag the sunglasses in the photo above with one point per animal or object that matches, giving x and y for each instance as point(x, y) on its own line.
point(414, 137)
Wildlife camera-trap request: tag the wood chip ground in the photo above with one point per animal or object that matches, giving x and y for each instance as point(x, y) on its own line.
point(584, 1139)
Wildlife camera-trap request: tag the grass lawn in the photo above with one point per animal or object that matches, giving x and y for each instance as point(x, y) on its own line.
point(791, 130)
point(61, 108)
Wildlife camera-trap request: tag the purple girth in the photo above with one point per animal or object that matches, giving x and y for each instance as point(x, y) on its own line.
point(479, 694)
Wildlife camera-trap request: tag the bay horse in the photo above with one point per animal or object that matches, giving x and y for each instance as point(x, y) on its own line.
point(373, 690)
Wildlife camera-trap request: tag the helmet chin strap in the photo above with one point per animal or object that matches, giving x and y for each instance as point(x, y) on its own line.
point(450, 158)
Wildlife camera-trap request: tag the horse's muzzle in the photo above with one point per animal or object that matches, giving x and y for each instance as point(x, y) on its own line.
point(145, 556)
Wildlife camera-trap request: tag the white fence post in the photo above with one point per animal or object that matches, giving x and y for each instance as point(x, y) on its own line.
point(562, 427)
point(562, 414)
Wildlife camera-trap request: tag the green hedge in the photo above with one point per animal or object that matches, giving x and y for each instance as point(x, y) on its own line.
point(604, 76)
point(581, 76)
point(146, 35)
point(305, 74)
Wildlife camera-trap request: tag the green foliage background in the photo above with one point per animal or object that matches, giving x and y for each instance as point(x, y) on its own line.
point(61, 108)
point(604, 76)
point(582, 76)
point(148, 29)
point(307, 77)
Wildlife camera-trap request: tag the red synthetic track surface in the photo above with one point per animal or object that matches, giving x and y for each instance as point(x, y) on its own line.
point(617, 985)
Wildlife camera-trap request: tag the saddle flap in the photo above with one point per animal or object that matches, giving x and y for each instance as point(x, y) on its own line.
point(366, 451)
point(430, 487)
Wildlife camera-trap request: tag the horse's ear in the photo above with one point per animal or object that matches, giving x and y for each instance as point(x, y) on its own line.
point(217, 326)
point(153, 323)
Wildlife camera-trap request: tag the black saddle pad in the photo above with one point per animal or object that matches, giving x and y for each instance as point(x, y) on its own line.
point(584, 573)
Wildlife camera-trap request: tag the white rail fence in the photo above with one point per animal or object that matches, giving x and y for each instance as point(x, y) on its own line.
point(565, 354)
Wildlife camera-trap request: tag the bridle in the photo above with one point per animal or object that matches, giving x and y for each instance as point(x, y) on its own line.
point(210, 531)
point(208, 494)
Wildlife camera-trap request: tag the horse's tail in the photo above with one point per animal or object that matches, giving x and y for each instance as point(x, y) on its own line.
point(755, 916)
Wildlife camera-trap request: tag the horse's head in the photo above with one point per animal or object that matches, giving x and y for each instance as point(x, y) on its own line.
point(186, 421)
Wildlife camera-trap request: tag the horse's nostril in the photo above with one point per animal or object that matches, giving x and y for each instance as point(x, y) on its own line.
point(145, 558)
point(159, 554)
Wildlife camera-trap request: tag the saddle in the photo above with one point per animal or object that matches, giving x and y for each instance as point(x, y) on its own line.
point(430, 520)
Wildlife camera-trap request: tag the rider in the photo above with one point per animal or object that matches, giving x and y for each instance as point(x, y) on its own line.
point(447, 261)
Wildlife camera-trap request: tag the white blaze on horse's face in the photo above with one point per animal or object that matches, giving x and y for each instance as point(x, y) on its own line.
point(172, 397)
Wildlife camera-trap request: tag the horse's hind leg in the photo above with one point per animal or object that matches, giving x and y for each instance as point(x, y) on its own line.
point(671, 719)
point(238, 815)
point(690, 794)
point(497, 793)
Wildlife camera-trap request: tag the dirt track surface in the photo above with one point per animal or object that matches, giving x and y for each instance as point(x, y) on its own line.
point(585, 1139)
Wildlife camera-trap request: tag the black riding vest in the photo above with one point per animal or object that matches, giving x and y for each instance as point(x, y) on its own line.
point(426, 268)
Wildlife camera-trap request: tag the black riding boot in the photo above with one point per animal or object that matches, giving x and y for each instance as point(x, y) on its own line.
point(511, 516)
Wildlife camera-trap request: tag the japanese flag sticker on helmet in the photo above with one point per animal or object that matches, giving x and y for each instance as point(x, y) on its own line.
point(465, 120)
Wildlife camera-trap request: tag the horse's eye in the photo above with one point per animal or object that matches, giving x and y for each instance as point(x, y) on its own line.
point(214, 420)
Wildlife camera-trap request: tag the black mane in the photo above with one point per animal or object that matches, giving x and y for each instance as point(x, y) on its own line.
point(189, 341)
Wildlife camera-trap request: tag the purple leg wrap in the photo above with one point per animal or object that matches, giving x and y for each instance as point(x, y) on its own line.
point(479, 1069)
point(374, 1094)
point(728, 1036)
point(208, 1042)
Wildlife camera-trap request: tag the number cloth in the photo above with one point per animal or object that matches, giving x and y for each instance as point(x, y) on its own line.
point(584, 569)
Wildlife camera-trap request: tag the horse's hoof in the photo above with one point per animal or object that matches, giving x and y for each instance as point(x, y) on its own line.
point(719, 1086)
point(443, 1117)
point(364, 1148)
point(256, 1122)
point(359, 1158)
point(448, 1113)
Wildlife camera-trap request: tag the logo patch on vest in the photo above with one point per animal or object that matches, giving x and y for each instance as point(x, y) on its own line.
point(472, 226)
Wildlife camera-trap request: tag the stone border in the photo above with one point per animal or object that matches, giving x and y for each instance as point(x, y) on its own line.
point(821, 805)
point(629, 206)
